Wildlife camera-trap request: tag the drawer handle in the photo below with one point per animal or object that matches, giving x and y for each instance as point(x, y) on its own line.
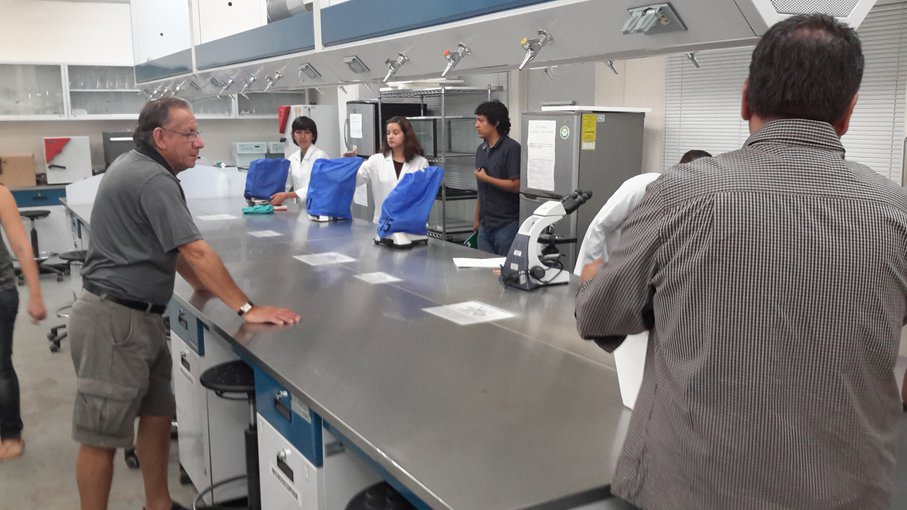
point(282, 464)
point(281, 408)
point(184, 360)
point(181, 319)
point(38, 196)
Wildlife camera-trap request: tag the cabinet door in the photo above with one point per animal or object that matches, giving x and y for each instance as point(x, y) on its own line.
point(103, 92)
point(288, 480)
point(31, 92)
point(220, 18)
point(190, 411)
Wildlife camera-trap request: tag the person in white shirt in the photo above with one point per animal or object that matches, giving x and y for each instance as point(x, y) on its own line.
point(604, 231)
point(401, 153)
point(305, 134)
point(599, 242)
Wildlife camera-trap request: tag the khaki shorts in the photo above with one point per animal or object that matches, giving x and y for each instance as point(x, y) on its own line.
point(123, 370)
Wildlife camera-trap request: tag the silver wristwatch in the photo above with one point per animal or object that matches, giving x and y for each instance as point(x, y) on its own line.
point(244, 309)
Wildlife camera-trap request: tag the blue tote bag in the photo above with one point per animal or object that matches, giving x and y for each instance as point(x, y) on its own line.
point(266, 177)
point(408, 205)
point(331, 187)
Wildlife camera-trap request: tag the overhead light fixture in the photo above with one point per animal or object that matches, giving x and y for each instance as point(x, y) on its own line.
point(308, 70)
point(355, 64)
point(652, 19)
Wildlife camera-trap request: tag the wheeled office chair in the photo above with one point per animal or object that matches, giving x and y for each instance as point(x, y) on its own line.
point(58, 333)
point(59, 270)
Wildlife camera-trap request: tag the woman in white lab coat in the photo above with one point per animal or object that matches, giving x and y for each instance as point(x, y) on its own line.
point(401, 153)
point(305, 134)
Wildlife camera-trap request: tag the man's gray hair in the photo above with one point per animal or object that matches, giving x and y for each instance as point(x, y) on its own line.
point(154, 115)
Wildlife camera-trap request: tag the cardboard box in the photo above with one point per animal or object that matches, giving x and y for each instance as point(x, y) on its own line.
point(17, 170)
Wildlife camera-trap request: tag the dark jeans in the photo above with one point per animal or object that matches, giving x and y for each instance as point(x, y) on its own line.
point(10, 416)
point(497, 240)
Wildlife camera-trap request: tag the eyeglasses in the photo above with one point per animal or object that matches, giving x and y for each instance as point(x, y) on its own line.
point(191, 135)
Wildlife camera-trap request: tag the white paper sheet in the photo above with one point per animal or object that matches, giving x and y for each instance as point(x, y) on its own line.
point(540, 164)
point(322, 259)
point(216, 217)
point(264, 233)
point(465, 262)
point(469, 312)
point(355, 125)
point(379, 277)
point(360, 197)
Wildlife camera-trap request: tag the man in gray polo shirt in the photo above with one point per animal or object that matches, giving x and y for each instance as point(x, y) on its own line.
point(142, 234)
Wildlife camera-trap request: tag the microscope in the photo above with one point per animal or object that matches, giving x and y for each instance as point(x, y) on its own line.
point(533, 259)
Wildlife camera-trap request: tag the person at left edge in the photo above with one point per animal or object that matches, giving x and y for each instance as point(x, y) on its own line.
point(142, 234)
point(305, 134)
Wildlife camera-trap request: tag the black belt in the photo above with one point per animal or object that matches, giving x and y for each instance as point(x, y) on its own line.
point(141, 306)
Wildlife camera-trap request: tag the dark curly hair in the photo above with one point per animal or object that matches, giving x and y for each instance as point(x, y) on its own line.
point(497, 115)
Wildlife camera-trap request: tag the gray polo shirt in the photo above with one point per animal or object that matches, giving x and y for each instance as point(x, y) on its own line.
point(498, 207)
point(138, 220)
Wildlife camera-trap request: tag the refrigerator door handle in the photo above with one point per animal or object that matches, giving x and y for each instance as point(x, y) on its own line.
point(346, 133)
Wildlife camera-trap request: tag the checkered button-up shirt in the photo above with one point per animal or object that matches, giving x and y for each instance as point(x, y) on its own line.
point(773, 280)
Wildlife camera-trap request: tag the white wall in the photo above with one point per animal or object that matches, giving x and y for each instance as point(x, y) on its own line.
point(40, 32)
point(639, 83)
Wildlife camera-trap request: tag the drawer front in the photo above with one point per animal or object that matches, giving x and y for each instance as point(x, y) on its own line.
point(39, 197)
point(186, 325)
point(292, 420)
point(289, 481)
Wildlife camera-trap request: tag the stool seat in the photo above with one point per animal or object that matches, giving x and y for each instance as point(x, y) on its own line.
point(73, 256)
point(380, 496)
point(35, 214)
point(231, 377)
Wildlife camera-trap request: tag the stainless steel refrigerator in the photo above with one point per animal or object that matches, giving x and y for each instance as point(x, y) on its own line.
point(581, 147)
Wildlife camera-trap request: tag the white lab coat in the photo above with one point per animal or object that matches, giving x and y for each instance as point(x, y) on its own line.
point(301, 170)
point(379, 170)
point(604, 232)
point(599, 241)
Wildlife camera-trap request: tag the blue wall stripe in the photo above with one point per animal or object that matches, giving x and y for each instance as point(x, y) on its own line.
point(174, 64)
point(356, 20)
point(289, 35)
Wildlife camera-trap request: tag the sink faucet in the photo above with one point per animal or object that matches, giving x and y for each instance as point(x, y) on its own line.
point(454, 58)
point(226, 85)
point(246, 84)
point(394, 65)
point(272, 80)
point(534, 46)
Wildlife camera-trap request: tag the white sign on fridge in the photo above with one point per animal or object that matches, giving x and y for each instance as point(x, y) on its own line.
point(355, 125)
point(540, 164)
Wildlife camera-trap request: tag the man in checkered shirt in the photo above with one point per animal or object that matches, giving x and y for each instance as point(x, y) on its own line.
point(774, 282)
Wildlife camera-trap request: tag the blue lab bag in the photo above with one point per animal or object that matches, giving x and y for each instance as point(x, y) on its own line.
point(331, 187)
point(408, 205)
point(266, 177)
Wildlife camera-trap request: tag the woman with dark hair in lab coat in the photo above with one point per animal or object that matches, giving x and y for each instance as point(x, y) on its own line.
point(305, 134)
point(401, 153)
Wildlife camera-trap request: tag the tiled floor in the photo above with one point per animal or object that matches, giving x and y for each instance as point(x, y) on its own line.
point(44, 477)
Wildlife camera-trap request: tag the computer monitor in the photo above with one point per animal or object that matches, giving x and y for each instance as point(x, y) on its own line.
point(116, 143)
